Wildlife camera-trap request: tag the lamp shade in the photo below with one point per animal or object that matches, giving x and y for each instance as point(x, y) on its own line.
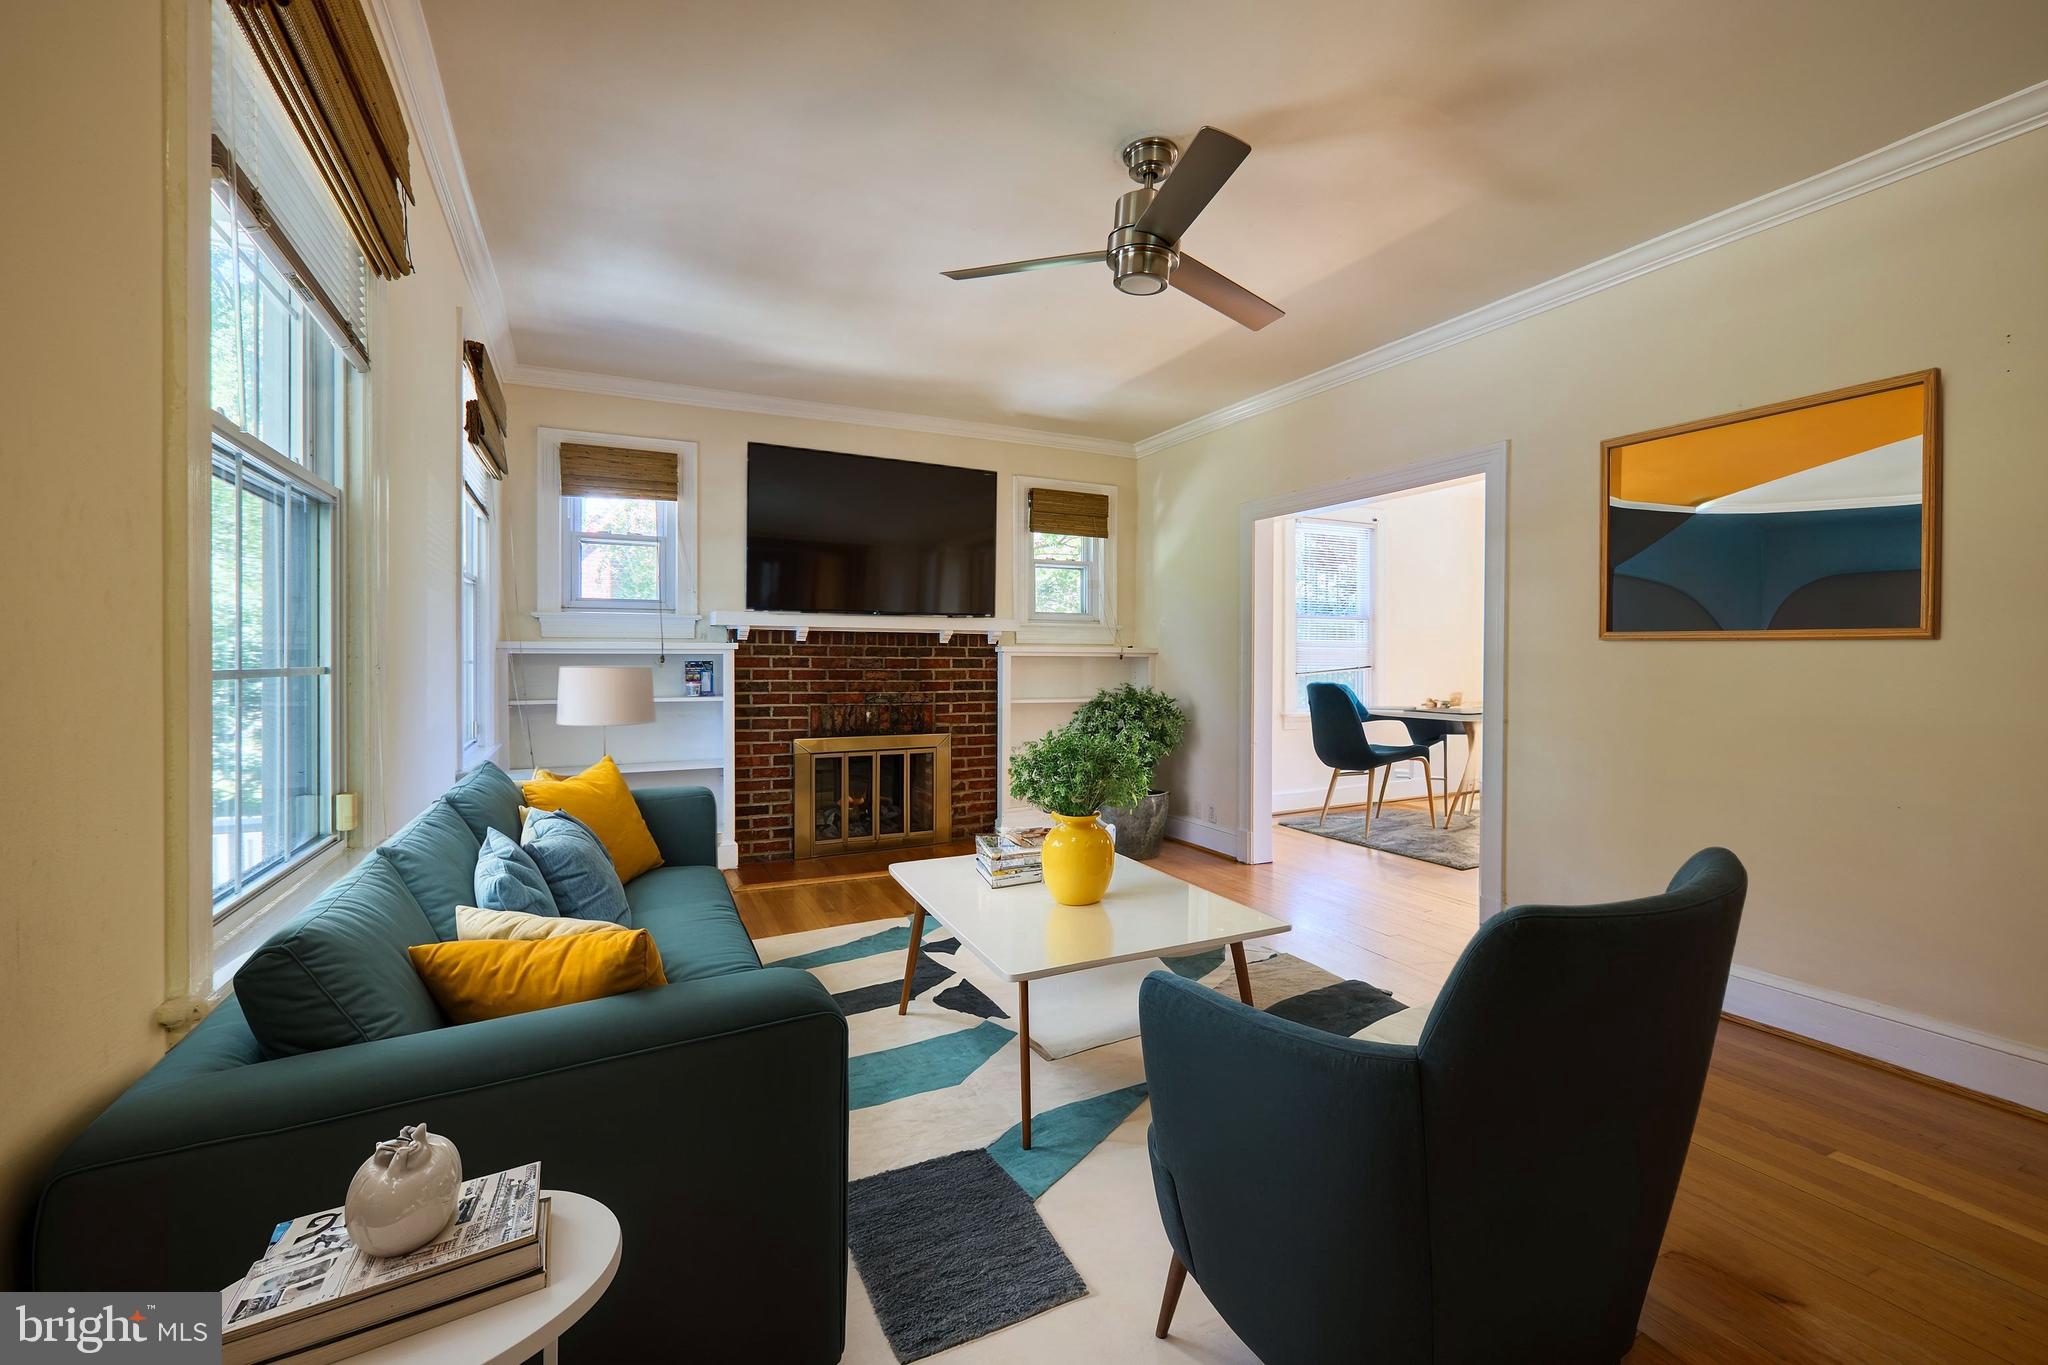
point(587, 694)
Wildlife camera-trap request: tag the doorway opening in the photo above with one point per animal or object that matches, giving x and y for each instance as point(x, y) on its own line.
point(1379, 603)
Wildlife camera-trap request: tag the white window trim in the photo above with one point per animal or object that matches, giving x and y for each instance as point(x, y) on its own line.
point(1291, 716)
point(1034, 627)
point(558, 619)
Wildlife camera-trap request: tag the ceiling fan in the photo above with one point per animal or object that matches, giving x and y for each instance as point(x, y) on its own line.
point(1143, 251)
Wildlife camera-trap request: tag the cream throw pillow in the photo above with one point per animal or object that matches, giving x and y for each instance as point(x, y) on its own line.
point(472, 924)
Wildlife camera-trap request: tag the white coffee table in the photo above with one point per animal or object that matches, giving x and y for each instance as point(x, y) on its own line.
point(583, 1255)
point(1023, 935)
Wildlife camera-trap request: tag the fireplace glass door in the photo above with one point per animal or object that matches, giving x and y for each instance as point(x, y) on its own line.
point(871, 791)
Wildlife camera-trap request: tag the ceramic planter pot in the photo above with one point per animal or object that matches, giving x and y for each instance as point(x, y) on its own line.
point(1077, 859)
point(404, 1194)
point(1140, 829)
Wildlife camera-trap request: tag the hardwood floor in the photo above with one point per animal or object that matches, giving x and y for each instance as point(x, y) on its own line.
point(1831, 1210)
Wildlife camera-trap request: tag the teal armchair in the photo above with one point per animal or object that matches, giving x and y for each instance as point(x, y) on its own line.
point(1497, 1191)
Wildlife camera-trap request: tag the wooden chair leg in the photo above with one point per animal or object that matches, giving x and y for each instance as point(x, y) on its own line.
point(1176, 1276)
point(1429, 790)
point(1331, 791)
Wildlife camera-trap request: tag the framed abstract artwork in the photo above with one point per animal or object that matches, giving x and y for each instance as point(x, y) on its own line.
point(1813, 519)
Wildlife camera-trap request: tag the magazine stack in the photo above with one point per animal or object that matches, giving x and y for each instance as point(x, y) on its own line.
point(1010, 857)
point(313, 1297)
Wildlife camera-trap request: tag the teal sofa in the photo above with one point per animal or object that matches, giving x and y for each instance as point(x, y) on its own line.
point(709, 1114)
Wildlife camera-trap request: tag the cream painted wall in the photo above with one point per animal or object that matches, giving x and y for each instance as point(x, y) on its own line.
point(93, 375)
point(1429, 569)
point(410, 742)
point(81, 547)
point(722, 439)
point(1880, 791)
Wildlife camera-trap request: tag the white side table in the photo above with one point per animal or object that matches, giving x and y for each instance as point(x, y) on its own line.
point(583, 1255)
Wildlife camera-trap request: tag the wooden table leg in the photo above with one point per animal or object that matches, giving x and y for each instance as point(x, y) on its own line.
point(1024, 1055)
point(1244, 976)
point(910, 964)
point(1464, 794)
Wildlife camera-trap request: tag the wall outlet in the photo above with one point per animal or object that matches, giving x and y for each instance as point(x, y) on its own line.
point(1212, 812)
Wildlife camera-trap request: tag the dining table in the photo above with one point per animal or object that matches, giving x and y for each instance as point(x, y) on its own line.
point(1464, 720)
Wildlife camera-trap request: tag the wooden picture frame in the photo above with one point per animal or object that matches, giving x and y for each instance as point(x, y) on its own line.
point(1873, 601)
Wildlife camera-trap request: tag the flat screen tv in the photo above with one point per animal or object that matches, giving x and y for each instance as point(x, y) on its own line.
point(861, 535)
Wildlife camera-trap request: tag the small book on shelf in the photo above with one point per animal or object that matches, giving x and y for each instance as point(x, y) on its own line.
point(315, 1296)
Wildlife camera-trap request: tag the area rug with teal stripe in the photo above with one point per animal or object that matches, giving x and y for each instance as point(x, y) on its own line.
point(934, 1127)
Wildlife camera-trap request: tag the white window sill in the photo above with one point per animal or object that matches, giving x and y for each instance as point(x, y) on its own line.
point(1294, 720)
point(620, 623)
point(1049, 632)
point(487, 752)
point(251, 926)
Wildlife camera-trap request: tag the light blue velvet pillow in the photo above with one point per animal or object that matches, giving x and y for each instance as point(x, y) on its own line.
point(507, 878)
point(578, 871)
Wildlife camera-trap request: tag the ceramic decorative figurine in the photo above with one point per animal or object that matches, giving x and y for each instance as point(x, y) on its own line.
point(405, 1193)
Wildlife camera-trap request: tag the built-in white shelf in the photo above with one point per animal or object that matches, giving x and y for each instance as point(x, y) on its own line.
point(1037, 687)
point(689, 740)
point(681, 765)
point(658, 701)
point(671, 646)
point(741, 623)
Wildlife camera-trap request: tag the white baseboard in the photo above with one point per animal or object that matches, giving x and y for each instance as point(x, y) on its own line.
point(728, 854)
point(1948, 1052)
point(1229, 842)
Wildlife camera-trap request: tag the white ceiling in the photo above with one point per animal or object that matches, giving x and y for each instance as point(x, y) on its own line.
point(759, 197)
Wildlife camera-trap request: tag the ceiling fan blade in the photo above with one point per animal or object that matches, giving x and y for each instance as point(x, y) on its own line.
point(1019, 267)
point(1196, 176)
point(1225, 295)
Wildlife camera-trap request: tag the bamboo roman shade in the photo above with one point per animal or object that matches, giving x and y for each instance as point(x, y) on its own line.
point(322, 59)
point(1064, 512)
point(616, 472)
point(268, 192)
point(483, 417)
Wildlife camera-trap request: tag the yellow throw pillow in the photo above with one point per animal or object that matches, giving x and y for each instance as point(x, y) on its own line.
point(600, 798)
point(491, 978)
point(474, 925)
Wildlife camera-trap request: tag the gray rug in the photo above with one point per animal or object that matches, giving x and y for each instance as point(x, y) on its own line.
point(1403, 831)
point(951, 1249)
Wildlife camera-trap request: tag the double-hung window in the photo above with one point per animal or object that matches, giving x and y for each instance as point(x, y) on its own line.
point(1066, 539)
point(281, 398)
point(477, 636)
point(618, 509)
point(284, 365)
point(1332, 637)
point(614, 551)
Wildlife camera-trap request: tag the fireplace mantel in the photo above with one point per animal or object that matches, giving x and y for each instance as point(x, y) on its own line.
point(803, 623)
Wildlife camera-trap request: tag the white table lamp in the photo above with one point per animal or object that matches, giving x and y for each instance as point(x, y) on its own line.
point(604, 696)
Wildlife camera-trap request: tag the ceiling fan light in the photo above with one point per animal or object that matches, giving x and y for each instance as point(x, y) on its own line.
point(1141, 269)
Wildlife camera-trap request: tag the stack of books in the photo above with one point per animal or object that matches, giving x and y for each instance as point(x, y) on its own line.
point(1010, 857)
point(313, 1296)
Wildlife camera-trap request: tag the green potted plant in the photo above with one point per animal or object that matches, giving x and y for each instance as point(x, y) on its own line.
point(1071, 775)
point(1153, 724)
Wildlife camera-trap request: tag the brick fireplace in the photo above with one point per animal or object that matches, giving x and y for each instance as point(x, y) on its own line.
point(785, 690)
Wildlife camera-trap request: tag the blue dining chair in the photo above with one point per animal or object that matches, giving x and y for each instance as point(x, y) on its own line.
point(1429, 734)
point(1336, 719)
point(1497, 1189)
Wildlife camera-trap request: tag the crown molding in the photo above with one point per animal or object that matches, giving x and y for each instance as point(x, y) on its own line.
point(409, 48)
point(726, 400)
point(2017, 113)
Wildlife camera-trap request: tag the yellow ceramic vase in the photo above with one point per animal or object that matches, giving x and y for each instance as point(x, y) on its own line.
point(1078, 856)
